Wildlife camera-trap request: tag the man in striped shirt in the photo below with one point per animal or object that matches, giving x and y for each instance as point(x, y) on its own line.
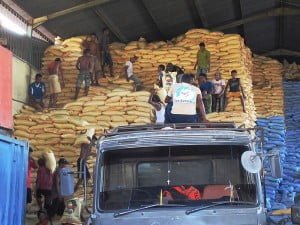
point(36, 92)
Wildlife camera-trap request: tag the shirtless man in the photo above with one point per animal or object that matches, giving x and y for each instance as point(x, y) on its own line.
point(85, 152)
point(91, 43)
point(84, 65)
point(105, 52)
point(55, 72)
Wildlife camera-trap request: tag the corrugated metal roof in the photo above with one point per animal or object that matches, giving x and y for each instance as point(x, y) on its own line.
point(164, 19)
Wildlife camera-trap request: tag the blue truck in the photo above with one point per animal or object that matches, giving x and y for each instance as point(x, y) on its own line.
point(13, 173)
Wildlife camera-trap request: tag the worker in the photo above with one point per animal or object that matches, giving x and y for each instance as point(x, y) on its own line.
point(85, 152)
point(203, 60)
point(159, 107)
point(235, 89)
point(206, 88)
point(31, 165)
point(129, 71)
point(55, 74)
point(36, 93)
point(43, 185)
point(218, 93)
point(91, 43)
point(161, 72)
point(186, 99)
point(58, 206)
point(84, 65)
point(105, 52)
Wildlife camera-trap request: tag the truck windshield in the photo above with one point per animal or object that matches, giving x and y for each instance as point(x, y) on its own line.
point(189, 176)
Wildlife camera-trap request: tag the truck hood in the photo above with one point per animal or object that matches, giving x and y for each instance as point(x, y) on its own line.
point(243, 216)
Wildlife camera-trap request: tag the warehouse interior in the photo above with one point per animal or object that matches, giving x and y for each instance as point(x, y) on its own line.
point(257, 38)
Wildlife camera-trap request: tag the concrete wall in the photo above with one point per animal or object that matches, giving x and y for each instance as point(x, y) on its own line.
point(23, 75)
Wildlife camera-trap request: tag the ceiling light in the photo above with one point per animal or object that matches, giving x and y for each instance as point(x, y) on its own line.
point(10, 25)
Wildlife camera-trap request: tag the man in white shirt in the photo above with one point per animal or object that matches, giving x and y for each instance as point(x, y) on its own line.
point(186, 100)
point(130, 75)
point(218, 93)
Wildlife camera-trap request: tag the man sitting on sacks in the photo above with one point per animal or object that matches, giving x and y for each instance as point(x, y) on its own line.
point(235, 89)
point(36, 92)
point(92, 44)
point(129, 73)
point(187, 99)
point(55, 73)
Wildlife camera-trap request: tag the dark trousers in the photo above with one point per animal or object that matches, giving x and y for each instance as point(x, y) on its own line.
point(217, 103)
point(57, 208)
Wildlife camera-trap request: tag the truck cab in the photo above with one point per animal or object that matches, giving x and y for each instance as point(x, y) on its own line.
point(183, 174)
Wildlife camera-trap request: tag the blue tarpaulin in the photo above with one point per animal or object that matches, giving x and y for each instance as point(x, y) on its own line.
point(13, 173)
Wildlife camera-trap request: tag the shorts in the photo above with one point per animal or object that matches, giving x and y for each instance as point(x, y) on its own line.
point(96, 64)
point(233, 95)
point(45, 193)
point(54, 85)
point(84, 76)
point(29, 196)
point(106, 59)
point(81, 164)
point(202, 70)
point(177, 118)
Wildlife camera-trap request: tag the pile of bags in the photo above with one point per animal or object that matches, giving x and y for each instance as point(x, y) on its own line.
point(274, 138)
point(291, 71)
point(64, 130)
point(68, 51)
point(228, 52)
point(291, 179)
point(267, 86)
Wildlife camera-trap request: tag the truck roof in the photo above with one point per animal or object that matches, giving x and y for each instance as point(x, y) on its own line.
point(176, 135)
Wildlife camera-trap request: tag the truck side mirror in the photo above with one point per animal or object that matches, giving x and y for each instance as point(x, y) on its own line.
point(275, 164)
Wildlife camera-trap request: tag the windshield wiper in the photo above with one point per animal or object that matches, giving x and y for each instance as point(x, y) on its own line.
point(146, 207)
point(189, 211)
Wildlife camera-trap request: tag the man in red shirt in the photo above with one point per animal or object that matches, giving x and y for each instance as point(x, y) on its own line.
point(44, 183)
point(31, 165)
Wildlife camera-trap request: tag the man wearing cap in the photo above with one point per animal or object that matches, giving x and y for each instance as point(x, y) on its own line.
point(130, 74)
point(203, 60)
point(58, 206)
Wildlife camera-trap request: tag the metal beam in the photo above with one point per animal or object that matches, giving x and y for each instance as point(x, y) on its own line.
point(281, 11)
point(282, 51)
point(110, 25)
point(153, 20)
point(201, 13)
point(239, 13)
point(280, 42)
point(40, 20)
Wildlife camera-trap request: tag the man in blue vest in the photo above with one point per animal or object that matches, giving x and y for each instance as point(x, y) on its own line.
point(36, 92)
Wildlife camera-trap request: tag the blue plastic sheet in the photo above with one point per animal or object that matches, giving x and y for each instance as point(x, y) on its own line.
point(13, 173)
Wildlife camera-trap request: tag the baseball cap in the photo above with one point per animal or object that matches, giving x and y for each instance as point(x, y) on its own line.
point(63, 161)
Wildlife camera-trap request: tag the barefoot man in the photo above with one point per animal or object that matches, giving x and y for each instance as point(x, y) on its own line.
point(92, 44)
point(55, 73)
point(84, 65)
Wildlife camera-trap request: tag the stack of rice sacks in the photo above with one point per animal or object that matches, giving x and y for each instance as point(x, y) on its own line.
point(64, 130)
point(291, 180)
point(228, 52)
point(268, 98)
